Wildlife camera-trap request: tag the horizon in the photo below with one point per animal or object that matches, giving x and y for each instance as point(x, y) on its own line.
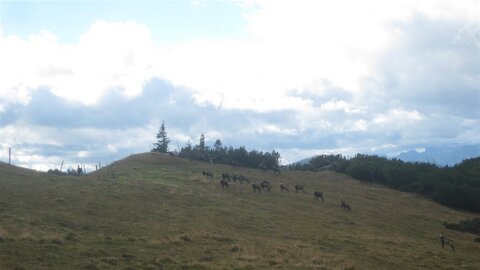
point(92, 81)
point(438, 161)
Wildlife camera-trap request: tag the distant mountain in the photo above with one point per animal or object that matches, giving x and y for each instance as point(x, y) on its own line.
point(442, 155)
point(304, 161)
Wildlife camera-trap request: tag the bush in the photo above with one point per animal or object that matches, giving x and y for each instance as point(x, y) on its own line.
point(468, 225)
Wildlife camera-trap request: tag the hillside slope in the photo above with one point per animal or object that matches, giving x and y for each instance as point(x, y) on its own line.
point(159, 212)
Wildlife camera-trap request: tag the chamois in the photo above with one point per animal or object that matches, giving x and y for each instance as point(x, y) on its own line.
point(224, 183)
point(256, 187)
point(299, 187)
point(265, 185)
point(318, 195)
point(346, 206)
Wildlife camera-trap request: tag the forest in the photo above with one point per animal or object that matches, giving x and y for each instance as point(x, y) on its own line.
point(457, 186)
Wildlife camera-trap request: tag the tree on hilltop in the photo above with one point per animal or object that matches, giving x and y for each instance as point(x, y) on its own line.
point(162, 140)
point(201, 144)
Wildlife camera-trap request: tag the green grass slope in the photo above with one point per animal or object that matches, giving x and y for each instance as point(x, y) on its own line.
point(159, 212)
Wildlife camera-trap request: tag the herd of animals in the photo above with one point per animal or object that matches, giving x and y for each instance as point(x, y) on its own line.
point(265, 186)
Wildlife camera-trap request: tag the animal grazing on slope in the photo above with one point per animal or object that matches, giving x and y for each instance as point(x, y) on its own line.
point(207, 174)
point(318, 195)
point(284, 188)
point(244, 179)
point(265, 185)
point(256, 187)
point(236, 177)
point(226, 176)
point(346, 206)
point(299, 187)
point(224, 183)
point(445, 241)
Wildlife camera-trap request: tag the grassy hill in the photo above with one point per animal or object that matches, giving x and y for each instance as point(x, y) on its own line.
point(159, 212)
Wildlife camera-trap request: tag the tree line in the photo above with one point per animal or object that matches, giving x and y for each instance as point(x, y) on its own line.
point(218, 153)
point(457, 186)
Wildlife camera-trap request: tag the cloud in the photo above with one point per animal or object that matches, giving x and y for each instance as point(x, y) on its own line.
point(109, 55)
point(293, 45)
point(58, 128)
point(434, 66)
point(397, 117)
point(313, 77)
point(317, 42)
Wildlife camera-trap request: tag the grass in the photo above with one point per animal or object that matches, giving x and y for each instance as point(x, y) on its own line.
point(159, 212)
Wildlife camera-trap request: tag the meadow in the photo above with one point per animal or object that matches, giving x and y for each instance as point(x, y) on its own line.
point(158, 212)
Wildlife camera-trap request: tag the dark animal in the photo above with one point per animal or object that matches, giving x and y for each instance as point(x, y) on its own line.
point(235, 178)
point(265, 185)
point(256, 187)
point(276, 170)
point(318, 195)
point(346, 206)
point(224, 183)
point(299, 187)
point(207, 174)
point(284, 188)
point(445, 241)
point(244, 179)
point(226, 176)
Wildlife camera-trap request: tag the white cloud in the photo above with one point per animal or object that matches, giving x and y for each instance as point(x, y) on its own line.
point(271, 128)
point(398, 117)
point(360, 125)
point(44, 147)
point(290, 45)
point(109, 55)
point(82, 154)
point(19, 134)
point(333, 105)
point(420, 149)
point(35, 161)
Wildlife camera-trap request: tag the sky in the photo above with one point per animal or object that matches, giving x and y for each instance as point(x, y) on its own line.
point(92, 81)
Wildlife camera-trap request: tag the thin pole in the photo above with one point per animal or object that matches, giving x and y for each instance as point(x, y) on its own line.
point(9, 155)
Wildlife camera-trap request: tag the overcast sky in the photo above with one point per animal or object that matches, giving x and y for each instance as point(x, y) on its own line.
point(92, 81)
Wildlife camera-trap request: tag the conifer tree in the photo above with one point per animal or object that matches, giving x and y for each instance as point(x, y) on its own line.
point(162, 140)
point(201, 145)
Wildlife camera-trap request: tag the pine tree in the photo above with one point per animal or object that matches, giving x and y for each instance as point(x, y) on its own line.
point(217, 146)
point(162, 144)
point(201, 145)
